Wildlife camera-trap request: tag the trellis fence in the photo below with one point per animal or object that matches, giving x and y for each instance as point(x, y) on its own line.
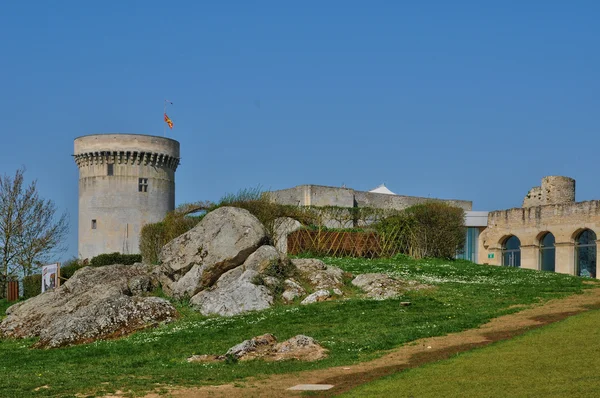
point(367, 244)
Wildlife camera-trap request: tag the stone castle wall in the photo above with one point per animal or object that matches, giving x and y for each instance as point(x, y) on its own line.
point(317, 195)
point(112, 206)
point(564, 218)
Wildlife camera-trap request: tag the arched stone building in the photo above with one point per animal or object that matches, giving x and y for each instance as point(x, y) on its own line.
point(550, 232)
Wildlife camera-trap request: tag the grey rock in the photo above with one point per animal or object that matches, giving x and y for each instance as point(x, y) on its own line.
point(253, 345)
point(300, 347)
point(271, 281)
point(319, 295)
point(282, 227)
point(292, 290)
point(233, 294)
point(95, 303)
point(318, 274)
point(262, 258)
point(381, 286)
point(222, 241)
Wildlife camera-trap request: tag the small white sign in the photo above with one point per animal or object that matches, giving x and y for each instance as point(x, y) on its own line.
point(49, 277)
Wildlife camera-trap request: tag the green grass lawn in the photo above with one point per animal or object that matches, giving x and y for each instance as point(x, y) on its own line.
point(558, 360)
point(466, 295)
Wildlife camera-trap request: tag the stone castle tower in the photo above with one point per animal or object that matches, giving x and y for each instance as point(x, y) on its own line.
point(125, 182)
point(554, 190)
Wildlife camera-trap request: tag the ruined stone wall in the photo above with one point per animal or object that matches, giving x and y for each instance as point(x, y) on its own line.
point(554, 190)
point(112, 209)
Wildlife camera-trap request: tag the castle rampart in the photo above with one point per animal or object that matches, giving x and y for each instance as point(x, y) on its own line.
point(318, 195)
point(125, 182)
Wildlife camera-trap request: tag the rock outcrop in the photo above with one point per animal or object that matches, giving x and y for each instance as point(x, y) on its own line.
point(265, 347)
point(292, 290)
point(318, 274)
point(222, 241)
point(233, 294)
point(95, 303)
point(382, 286)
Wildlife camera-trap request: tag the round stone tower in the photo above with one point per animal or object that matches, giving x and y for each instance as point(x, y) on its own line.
point(125, 182)
point(558, 190)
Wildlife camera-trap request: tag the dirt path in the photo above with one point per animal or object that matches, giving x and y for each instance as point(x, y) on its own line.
point(412, 355)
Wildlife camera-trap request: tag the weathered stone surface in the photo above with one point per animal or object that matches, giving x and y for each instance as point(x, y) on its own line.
point(222, 241)
point(262, 258)
point(282, 227)
point(300, 347)
point(318, 274)
point(381, 286)
point(233, 294)
point(250, 349)
point(95, 303)
point(319, 295)
point(292, 291)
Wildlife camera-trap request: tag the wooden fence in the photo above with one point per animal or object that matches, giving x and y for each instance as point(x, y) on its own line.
point(338, 244)
point(13, 291)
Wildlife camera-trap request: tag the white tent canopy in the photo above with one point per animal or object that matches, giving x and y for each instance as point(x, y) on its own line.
point(382, 189)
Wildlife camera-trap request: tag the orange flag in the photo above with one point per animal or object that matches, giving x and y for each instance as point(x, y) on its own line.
point(168, 121)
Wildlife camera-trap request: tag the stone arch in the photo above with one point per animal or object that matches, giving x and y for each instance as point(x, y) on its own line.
point(585, 252)
point(547, 251)
point(579, 231)
point(511, 251)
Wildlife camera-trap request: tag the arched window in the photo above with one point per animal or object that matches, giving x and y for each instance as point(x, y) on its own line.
point(585, 253)
point(511, 252)
point(547, 253)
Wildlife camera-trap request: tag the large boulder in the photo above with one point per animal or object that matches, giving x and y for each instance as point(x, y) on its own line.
point(95, 303)
point(234, 293)
point(222, 241)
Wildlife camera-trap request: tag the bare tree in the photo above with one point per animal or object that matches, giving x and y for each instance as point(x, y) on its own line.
point(29, 232)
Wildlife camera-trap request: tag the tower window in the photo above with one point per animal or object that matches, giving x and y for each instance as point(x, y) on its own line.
point(93, 224)
point(110, 169)
point(143, 185)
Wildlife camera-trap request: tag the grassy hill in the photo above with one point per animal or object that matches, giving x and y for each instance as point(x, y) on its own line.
point(466, 295)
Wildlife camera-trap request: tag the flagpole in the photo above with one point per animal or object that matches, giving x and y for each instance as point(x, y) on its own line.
point(165, 124)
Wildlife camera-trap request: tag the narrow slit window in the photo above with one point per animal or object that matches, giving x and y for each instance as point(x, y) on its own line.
point(143, 185)
point(94, 224)
point(110, 169)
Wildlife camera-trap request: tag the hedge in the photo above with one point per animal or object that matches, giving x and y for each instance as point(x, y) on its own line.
point(32, 285)
point(115, 258)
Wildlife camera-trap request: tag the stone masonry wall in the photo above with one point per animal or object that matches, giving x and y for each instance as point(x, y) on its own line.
point(554, 190)
point(112, 209)
point(565, 221)
point(317, 195)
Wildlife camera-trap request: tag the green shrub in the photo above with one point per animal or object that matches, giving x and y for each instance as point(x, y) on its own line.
point(69, 267)
point(431, 229)
point(115, 258)
point(32, 285)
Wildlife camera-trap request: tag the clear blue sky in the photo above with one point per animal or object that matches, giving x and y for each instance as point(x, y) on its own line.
point(470, 100)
